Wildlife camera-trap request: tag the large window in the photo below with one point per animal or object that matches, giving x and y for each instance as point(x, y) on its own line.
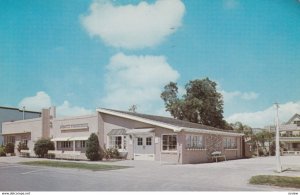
point(169, 142)
point(81, 144)
point(229, 143)
point(66, 144)
point(118, 141)
point(194, 142)
point(10, 139)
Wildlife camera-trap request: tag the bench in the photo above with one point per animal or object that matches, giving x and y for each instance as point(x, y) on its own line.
point(71, 154)
point(217, 154)
point(57, 153)
point(291, 152)
point(25, 153)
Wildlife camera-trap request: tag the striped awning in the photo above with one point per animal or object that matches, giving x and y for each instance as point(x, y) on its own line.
point(117, 132)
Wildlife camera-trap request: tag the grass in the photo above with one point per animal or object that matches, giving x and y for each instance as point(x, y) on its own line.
point(74, 165)
point(281, 181)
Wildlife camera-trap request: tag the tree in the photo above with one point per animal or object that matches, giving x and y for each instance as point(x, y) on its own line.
point(201, 103)
point(93, 151)
point(132, 108)
point(42, 146)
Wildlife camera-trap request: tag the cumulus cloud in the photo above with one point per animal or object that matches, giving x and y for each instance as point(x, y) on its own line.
point(66, 109)
point(228, 96)
point(43, 100)
point(37, 102)
point(137, 80)
point(133, 26)
point(266, 117)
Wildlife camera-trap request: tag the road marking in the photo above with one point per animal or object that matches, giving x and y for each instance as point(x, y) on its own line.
point(32, 171)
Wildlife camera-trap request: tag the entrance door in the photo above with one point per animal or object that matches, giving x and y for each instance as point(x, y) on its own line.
point(144, 147)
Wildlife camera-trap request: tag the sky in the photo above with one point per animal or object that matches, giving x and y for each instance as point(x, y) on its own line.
point(112, 54)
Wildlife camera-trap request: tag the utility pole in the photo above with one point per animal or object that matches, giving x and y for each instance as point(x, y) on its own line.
point(23, 112)
point(278, 163)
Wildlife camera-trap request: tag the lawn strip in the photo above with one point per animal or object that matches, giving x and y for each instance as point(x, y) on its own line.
point(274, 180)
point(75, 165)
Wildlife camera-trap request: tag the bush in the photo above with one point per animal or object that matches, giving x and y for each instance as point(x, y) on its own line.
point(2, 151)
point(93, 150)
point(22, 146)
point(10, 148)
point(42, 146)
point(111, 153)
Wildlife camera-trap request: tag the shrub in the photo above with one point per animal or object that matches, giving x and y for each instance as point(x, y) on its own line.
point(93, 150)
point(111, 153)
point(22, 146)
point(2, 151)
point(42, 146)
point(10, 148)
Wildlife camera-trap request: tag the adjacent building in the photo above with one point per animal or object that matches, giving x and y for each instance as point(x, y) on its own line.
point(290, 134)
point(8, 114)
point(136, 136)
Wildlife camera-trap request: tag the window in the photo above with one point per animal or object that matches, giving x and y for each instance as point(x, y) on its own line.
point(297, 123)
point(66, 144)
point(10, 139)
point(194, 141)
point(149, 141)
point(118, 141)
point(139, 141)
point(25, 141)
point(82, 144)
point(115, 142)
point(169, 143)
point(229, 142)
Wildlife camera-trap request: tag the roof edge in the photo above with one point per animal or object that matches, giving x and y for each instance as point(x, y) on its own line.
point(195, 130)
point(140, 119)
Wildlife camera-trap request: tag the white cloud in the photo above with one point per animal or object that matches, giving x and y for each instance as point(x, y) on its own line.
point(228, 96)
point(231, 4)
point(42, 100)
point(37, 102)
point(133, 26)
point(137, 80)
point(267, 116)
point(67, 110)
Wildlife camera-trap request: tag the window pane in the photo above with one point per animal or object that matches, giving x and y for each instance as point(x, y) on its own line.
point(149, 141)
point(139, 141)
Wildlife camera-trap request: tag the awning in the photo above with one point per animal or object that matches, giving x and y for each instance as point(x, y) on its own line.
point(117, 132)
point(70, 138)
point(79, 138)
point(140, 131)
point(61, 139)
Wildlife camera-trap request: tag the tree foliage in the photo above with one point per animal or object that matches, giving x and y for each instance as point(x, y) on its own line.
point(42, 146)
point(22, 146)
point(201, 103)
point(10, 148)
point(93, 151)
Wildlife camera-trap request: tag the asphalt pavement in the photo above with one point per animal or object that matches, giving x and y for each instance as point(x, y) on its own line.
point(145, 176)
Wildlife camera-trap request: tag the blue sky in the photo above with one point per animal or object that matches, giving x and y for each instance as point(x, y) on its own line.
point(88, 54)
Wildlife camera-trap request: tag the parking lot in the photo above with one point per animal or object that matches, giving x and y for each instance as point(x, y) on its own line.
point(145, 176)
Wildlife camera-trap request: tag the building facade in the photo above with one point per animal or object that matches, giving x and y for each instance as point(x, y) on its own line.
point(136, 136)
point(290, 134)
point(8, 114)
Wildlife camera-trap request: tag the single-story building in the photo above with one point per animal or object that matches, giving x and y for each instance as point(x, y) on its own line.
point(136, 136)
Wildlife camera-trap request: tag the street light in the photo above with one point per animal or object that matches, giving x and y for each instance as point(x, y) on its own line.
point(278, 163)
